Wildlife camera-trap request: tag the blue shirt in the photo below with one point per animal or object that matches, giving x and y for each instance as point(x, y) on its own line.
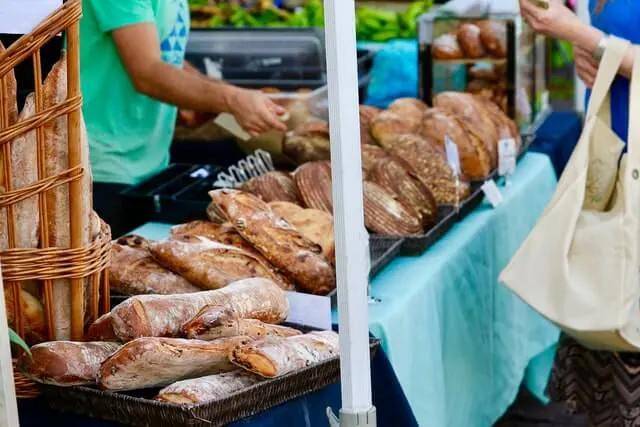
point(620, 18)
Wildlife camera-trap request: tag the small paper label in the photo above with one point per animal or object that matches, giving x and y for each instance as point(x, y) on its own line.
point(507, 154)
point(491, 191)
point(309, 310)
point(453, 157)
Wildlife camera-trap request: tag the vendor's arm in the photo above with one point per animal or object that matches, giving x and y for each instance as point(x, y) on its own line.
point(139, 50)
point(558, 21)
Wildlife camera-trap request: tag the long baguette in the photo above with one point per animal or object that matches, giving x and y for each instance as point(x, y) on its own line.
point(164, 315)
point(213, 322)
point(276, 356)
point(58, 214)
point(157, 362)
point(206, 389)
point(9, 100)
point(66, 363)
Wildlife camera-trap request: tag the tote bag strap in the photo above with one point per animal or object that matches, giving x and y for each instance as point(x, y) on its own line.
point(633, 141)
point(599, 104)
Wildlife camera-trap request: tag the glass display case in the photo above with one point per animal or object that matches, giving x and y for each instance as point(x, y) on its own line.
point(498, 57)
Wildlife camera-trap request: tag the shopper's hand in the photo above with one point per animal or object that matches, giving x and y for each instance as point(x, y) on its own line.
point(255, 112)
point(558, 21)
point(586, 66)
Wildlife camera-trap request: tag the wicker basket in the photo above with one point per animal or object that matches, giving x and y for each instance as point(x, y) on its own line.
point(79, 264)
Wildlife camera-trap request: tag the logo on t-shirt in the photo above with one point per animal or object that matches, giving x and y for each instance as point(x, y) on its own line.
point(174, 44)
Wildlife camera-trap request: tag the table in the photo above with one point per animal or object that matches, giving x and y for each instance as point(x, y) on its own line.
point(460, 343)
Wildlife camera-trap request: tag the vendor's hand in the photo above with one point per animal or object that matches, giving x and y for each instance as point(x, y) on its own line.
point(255, 112)
point(558, 21)
point(586, 66)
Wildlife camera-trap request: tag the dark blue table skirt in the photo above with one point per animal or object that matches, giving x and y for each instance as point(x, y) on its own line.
point(557, 137)
point(308, 411)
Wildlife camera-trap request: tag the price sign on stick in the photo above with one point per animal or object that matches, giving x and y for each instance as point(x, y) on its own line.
point(507, 154)
point(453, 157)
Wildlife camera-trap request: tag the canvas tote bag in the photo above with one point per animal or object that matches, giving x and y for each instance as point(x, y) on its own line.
point(580, 265)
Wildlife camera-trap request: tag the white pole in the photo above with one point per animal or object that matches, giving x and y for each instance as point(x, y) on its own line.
point(351, 236)
point(8, 403)
point(582, 10)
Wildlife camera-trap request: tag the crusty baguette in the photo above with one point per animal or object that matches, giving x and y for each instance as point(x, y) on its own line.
point(157, 362)
point(133, 271)
point(213, 322)
point(101, 330)
point(164, 315)
point(32, 314)
point(58, 214)
point(206, 389)
point(276, 356)
point(286, 248)
point(66, 363)
point(9, 98)
point(209, 264)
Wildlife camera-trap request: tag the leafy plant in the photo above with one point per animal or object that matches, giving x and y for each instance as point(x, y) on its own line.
point(15, 339)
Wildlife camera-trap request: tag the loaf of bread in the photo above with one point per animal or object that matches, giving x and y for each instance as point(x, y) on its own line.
point(387, 125)
point(101, 330)
point(370, 156)
point(157, 362)
point(207, 389)
point(410, 110)
point(213, 214)
point(213, 322)
point(469, 40)
point(209, 264)
point(426, 163)
point(58, 212)
point(446, 46)
point(313, 224)
point(164, 315)
point(272, 187)
point(66, 363)
point(396, 180)
point(507, 128)
point(474, 118)
point(286, 248)
point(276, 356)
point(383, 214)
point(32, 315)
point(314, 183)
point(133, 271)
point(493, 35)
point(367, 114)
point(218, 232)
point(9, 97)
point(437, 125)
point(308, 143)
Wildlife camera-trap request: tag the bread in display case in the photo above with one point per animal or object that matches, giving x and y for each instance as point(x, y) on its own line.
point(495, 56)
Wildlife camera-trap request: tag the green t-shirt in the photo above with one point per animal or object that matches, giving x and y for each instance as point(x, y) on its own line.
point(129, 133)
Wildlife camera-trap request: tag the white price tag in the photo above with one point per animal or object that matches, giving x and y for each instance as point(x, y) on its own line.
point(491, 191)
point(22, 16)
point(309, 310)
point(453, 157)
point(507, 155)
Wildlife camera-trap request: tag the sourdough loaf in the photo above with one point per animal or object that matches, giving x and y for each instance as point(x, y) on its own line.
point(273, 186)
point(314, 183)
point(308, 143)
point(469, 39)
point(383, 214)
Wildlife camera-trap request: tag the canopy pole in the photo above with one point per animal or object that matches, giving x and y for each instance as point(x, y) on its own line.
point(351, 237)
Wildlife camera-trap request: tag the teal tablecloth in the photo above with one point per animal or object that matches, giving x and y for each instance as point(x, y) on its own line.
point(460, 343)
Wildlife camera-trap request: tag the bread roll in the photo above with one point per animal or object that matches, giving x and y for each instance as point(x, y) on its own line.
point(493, 35)
point(275, 356)
point(446, 46)
point(469, 39)
point(209, 264)
point(164, 315)
point(286, 248)
point(207, 389)
point(66, 363)
point(213, 322)
point(157, 362)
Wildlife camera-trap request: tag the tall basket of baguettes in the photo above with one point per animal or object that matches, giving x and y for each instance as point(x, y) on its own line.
point(54, 250)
